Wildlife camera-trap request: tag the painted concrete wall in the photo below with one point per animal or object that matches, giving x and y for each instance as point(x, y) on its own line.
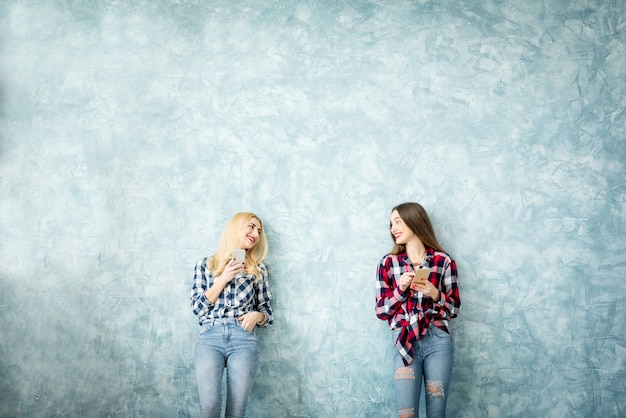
point(130, 131)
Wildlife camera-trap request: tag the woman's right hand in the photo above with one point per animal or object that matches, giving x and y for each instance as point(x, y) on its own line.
point(405, 280)
point(232, 269)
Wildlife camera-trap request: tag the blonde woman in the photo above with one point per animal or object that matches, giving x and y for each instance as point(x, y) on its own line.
point(231, 299)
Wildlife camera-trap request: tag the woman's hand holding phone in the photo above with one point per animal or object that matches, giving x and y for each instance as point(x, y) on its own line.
point(405, 280)
point(421, 284)
point(232, 269)
point(420, 278)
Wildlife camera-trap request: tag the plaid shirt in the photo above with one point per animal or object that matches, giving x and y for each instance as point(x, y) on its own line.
point(410, 311)
point(240, 296)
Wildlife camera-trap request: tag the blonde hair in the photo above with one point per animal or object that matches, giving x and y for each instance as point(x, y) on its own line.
point(416, 218)
point(230, 241)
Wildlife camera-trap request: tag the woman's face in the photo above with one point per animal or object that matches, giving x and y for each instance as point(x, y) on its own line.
point(251, 233)
point(400, 231)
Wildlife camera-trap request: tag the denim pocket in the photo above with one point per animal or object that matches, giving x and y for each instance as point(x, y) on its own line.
point(205, 328)
point(438, 332)
point(244, 338)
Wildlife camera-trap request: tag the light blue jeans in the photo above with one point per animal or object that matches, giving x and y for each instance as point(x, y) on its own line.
point(433, 358)
point(224, 344)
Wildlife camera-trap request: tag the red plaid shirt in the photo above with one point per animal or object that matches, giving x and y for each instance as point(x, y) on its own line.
point(410, 311)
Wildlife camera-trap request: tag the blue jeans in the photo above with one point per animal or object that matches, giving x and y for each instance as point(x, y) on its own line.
point(224, 344)
point(433, 357)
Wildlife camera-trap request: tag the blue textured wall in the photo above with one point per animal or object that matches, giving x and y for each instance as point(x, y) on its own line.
point(130, 131)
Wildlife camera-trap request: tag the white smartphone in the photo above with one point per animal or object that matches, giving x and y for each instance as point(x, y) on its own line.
point(239, 255)
point(420, 276)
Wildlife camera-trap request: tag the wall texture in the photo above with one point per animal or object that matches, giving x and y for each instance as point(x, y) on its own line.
point(130, 131)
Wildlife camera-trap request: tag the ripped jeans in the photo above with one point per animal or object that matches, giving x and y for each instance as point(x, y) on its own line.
point(433, 358)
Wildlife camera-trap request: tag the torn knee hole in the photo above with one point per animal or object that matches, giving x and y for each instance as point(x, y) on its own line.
point(405, 373)
point(406, 413)
point(434, 388)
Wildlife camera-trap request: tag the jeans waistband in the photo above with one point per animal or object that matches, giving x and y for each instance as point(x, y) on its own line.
point(221, 321)
point(431, 325)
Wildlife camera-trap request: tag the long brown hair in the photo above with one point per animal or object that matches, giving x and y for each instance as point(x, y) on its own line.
point(230, 241)
point(416, 218)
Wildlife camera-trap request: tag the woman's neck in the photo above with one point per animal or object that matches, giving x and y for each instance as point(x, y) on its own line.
point(416, 251)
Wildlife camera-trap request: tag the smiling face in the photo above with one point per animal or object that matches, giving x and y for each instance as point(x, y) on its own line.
point(250, 234)
point(400, 230)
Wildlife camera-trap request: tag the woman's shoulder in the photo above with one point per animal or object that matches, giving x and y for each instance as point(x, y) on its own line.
point(442, 255)
point(385, 258)
point(388, 258)
point(263, 269)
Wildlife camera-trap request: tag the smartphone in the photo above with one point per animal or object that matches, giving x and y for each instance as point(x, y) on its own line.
point(239, 255)
point(420, 276)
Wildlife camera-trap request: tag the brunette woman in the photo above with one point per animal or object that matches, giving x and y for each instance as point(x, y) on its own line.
point(418, 294)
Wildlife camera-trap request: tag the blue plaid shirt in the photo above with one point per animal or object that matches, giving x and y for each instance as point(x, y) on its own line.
point(240, 296)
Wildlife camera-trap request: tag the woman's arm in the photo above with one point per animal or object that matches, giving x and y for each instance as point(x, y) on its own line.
point(214, 291)
point(389, 298)
point(263, 298)
point(199, 302)
point(449, 303)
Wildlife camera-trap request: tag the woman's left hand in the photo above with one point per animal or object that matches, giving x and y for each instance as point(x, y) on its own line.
point(427, 288)
point(250, 320)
